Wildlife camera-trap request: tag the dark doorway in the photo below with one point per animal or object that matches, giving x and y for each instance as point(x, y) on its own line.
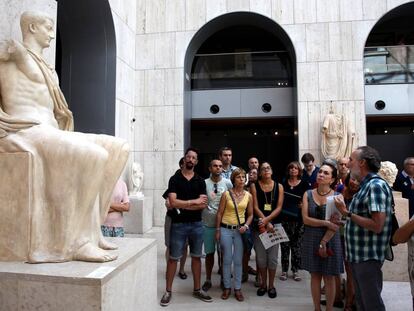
point(86, 63)
point(271, 140)
point(393, 137)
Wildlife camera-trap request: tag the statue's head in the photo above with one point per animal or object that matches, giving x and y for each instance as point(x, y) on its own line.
point(37, 27)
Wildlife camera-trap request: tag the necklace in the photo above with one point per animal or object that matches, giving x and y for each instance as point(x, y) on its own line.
point(323, 194)
point(238, 194)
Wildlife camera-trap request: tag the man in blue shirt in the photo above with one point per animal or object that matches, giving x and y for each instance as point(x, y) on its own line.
point(310, 170)
point(368, 227)
point(405, 183)
point(225, 156)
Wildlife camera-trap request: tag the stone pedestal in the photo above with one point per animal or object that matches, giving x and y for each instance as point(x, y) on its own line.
point(396, 270)
point(128, 283)
point(139, 218)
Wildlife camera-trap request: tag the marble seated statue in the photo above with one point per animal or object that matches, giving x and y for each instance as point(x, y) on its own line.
point(137, 179)
point(73, 173)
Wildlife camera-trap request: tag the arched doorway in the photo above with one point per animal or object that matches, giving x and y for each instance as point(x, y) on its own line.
point(240, 78)
point(389, 84)
point(86, 63)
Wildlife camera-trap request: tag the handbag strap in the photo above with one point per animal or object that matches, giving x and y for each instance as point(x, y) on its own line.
point(235, 207)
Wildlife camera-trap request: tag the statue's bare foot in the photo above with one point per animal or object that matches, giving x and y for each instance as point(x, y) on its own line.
point(92, 253)
point(104, 244)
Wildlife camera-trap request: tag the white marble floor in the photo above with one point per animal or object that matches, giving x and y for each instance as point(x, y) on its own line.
point(291, 295)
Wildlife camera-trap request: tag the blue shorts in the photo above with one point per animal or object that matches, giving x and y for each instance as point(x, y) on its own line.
point(180, 232)
point(209, 240)
point(112, 231)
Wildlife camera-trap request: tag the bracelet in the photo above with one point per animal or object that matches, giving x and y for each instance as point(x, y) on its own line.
point(324, 241)
point(247, 226)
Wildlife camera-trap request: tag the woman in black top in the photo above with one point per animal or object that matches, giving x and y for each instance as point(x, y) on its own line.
point(294, 188)
point(267, 204)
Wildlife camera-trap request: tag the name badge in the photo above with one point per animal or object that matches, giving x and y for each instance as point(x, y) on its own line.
point(267, 207)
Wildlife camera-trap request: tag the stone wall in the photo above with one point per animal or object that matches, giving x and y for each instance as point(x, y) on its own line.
point(328, 36)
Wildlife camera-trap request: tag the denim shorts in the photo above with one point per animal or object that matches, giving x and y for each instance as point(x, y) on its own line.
point(112, 231)
point(180, 232)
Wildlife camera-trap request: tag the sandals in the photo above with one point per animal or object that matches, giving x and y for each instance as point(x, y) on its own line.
point(296, 277)
point(182, 275)
point(226, 293)
point(238, 294)
point(283, 276)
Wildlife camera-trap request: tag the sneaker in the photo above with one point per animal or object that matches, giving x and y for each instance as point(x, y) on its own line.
point(202, 296)
point(166, 299)
point(206, 286)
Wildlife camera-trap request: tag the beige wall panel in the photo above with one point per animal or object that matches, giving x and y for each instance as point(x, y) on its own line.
point(238, 5)
point(350, 10)
point(307, 75)
point(297, 35)
point(155, 16)
point(164, 50)
point(195, 14)
point(145, 51)
point(282, 11)
point(144, 128)
point(327, 10)
point(328, 80)
point(215, 8)
point(305, 11)
point(373, 9)
point(175, 17)
point(340, 41)
point(317, 42)
point(263, 7)
point(154, 87)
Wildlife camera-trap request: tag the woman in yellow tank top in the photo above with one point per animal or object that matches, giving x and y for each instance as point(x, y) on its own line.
point(228, 231)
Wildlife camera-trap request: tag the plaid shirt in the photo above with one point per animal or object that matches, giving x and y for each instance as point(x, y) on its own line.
point(362, 244)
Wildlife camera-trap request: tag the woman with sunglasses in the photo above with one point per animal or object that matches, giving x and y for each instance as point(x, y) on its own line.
point(268, 198)
point(321, 245)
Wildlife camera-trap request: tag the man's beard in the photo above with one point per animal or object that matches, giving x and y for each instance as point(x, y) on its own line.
point(356, 174)
point(189, 165)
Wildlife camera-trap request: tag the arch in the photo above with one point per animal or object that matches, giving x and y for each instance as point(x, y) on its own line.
point(220, 23)
point(86, 63)
point(388, 56)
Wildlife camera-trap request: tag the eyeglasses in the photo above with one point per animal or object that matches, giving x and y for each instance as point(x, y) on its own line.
point(215, 188)
point(264, 168)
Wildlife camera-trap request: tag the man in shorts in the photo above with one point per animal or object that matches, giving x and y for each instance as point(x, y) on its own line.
point(216, 185)
point(187, 196)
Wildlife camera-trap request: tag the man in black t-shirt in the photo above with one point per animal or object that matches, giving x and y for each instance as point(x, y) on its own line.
point(187, 196)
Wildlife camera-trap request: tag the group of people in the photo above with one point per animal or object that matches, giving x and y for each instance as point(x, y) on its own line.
point(229, 211)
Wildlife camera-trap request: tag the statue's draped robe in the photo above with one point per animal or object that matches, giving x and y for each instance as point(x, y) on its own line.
point(73, 175)
point(337, 137)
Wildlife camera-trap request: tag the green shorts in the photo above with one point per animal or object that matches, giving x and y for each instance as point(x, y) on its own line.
point(209, 237)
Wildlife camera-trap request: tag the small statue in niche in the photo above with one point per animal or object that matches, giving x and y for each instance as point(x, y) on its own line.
point(137, 179)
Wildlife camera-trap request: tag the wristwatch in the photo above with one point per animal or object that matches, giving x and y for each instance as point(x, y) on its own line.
point(247, 226)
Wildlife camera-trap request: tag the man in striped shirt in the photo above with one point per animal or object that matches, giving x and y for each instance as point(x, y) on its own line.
point(368, 228)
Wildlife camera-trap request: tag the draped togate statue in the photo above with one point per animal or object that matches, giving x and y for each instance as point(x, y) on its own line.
point(73, 174)
point(337, 137)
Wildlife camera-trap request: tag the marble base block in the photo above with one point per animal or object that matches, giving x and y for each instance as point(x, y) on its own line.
point(139, 218)
point(397, 270)
point(128, 283)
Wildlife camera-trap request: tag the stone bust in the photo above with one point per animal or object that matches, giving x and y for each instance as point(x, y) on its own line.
point(72, 173)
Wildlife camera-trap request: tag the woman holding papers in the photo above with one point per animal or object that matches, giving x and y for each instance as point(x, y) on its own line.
point(291, 217)
point(321, 246)
point(267, 204)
